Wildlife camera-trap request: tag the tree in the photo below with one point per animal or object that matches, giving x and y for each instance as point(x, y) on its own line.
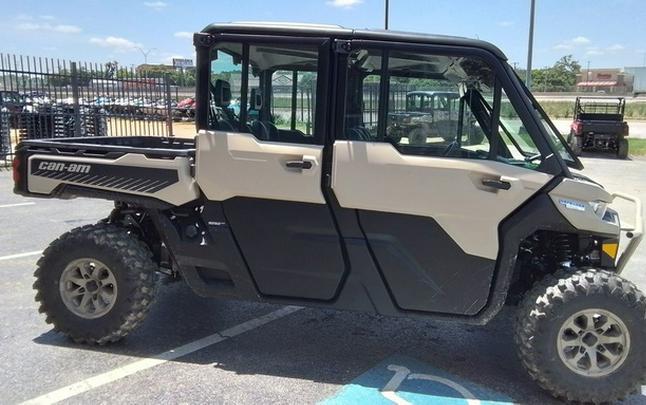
point(560, 77)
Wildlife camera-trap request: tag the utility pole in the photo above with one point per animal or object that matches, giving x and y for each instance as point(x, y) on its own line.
point(386, 15)
point(145, 53)
point(530, 46)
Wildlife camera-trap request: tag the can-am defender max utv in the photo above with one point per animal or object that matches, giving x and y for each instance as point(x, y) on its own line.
point(302, 187)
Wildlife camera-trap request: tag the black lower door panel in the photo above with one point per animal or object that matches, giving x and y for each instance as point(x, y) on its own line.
point(425, 270)
point(292, 249)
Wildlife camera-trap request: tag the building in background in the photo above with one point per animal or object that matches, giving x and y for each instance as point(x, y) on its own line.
point(608, 81)
point(639, 79)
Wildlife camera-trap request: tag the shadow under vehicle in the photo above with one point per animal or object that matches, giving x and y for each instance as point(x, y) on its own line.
point(599, 126)
point(322, 207)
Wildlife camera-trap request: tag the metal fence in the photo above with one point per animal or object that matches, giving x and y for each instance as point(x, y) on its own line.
point(52, 98)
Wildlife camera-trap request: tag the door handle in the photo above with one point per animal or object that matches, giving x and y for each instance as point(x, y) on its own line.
point(496, 183)
point(299, 164)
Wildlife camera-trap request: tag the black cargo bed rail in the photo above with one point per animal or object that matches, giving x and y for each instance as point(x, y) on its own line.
point(112, 147)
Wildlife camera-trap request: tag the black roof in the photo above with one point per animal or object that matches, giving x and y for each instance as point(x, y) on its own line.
point(337, 31)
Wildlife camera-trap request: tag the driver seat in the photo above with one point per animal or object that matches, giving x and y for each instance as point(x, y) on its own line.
point(221, 96)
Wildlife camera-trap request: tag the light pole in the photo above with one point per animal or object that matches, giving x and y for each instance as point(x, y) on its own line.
point(587, 76)
point(145, 53)
point(530, 46)
point(386, 15)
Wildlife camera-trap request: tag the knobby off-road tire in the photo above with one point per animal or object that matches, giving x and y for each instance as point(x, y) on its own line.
point(542, 325)
point(576, 144)
point(622, 148)
point(98, 259)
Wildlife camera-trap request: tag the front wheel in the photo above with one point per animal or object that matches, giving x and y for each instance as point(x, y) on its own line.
point(95, 283)
point(582, 336)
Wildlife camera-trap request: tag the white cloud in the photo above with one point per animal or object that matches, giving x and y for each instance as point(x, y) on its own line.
point(66, 29)
point(580, 40)
point(594, 51)
point(27, 26)
point(505, 24)
point(48, 17)
point(616, 47)
point(343, 3)
point(156, 5)
point(117, 44)
point(183, 34)
point(47, 27)
point(563, 46)
point(571, 43)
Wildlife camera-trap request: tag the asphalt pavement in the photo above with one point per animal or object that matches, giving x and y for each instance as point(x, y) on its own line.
point(196, 350)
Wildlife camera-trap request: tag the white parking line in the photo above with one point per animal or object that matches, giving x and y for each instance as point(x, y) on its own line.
point(132, 368)
point(19, 255)
point(16, 204)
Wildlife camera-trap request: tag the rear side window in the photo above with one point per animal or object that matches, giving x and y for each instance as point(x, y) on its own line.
point(225, 86)
point(280, 100)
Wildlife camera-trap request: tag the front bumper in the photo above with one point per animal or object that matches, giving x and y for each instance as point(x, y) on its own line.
point(635, 232)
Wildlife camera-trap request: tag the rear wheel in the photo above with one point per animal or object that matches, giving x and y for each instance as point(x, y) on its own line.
point(576, 144)
point(622, 148)
point(582, 336)
point(95, 283)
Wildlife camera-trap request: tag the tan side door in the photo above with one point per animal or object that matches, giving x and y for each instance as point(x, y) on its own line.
point(264, 169)
point(428, 193)
point(375, 176)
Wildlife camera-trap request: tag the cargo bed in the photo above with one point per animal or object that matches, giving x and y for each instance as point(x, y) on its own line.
point(147, 170)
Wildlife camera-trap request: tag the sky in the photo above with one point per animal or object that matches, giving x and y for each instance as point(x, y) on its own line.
point(608, 33)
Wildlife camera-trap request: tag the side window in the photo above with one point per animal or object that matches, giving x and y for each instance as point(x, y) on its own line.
point(514, 132)
point(437, 105)
point(438, 129)
point(292, 97)
point(225, 87)
point(280, 100)
point(362, 96)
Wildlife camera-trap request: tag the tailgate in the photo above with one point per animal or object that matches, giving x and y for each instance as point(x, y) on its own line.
point(604, 127)
point(168, 180)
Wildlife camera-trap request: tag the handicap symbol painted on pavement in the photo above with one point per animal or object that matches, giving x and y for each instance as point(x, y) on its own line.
point(405, 381)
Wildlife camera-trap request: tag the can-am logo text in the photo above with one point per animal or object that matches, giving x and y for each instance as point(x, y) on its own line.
point(64, 167)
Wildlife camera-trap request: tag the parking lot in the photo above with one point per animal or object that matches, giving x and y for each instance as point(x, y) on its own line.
point(195, 350)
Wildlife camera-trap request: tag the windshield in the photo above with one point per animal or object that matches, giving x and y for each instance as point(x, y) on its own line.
point(554, 136)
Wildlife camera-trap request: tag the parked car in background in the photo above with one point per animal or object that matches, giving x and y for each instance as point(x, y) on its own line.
point(12, 103)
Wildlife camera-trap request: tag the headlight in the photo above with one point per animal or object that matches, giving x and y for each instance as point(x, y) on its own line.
point(599, 208)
